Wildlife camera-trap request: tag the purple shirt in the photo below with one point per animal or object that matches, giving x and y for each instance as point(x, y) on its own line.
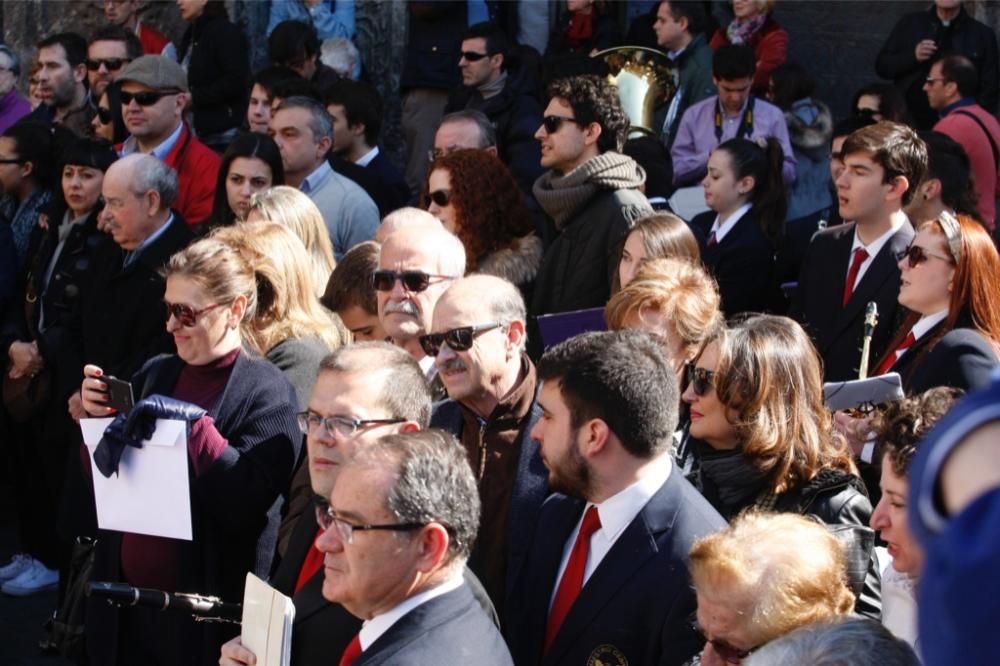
point(696, 138)
point(13, 107)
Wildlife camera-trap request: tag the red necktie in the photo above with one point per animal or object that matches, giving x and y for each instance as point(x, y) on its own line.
point(860, 255)
point(351, 652)
point(312, 563)
point(711, 240)
point(900, 350)
point(572, 578)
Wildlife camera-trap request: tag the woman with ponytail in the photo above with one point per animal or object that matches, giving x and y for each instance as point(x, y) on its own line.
point(745, 191)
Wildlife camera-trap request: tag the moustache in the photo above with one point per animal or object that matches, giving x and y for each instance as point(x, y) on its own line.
point(402, 307)
point(453, 364)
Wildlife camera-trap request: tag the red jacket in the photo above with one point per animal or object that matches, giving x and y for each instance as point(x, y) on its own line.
point(770, 47)
point(153, 41)
point(970, 135)
point(197, 168)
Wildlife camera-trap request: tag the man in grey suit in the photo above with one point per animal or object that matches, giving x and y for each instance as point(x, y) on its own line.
point(303, 130)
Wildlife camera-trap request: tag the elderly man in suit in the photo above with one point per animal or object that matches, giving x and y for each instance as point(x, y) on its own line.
point(606, 579)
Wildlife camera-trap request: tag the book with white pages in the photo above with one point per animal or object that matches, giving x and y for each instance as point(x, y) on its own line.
point(267, 623)
point(863, 392)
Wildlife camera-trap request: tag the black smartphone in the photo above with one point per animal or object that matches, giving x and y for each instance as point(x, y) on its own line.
point(119, 393)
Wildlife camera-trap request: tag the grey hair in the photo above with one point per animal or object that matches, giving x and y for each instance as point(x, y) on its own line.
point(150, 174)
point(844, 642)
point(487, 132)
point(15, 62)
point(451, 253)
point(433, 483)
point(503, 298)
point(339, 54)
point(404, 392)
point(320, 122)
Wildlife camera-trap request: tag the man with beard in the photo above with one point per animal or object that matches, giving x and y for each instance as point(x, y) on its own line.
point(62, 74)
point(607, 575)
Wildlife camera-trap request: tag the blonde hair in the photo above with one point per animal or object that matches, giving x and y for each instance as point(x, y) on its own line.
point(786, 570)
point(218, 269)
point(682, 291)
point(290, 207)
point(286, 303)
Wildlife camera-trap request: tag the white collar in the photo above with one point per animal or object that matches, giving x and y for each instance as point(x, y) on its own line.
point(721, 229)
point(366, 159)
point(927, 322)
point(620, 509)
point(378, 625)
point(875, 246)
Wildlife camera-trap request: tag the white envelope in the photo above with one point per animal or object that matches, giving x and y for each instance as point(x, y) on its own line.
point(150, 494)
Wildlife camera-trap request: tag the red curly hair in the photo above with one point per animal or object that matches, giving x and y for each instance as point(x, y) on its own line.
point(489, 206)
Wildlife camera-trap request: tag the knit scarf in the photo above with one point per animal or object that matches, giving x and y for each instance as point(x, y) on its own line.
point(740, 33)
point(562, 196)
point(737, 481)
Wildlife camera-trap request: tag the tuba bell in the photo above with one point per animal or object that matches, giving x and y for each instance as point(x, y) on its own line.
point(646, 79)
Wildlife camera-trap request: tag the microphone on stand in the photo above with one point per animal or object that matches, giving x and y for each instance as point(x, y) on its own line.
point(202, 608)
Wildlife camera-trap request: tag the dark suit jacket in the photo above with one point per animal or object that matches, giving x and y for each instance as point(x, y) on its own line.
point(962, 359)
point(449, 629)
point(742, 263)
point(837, 330)
point(638, 601)
point(391, 191)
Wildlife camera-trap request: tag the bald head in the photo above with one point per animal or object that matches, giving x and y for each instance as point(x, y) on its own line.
point(494, 297)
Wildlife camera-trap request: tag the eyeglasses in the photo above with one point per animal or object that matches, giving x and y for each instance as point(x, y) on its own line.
point(413, 281)
point(111, 64)
point(11, 160)
point(459, 339)
point(931, 79)
point(699, 379)
point(472, 56)
point(726, 652)
point(185, 314)
point(326, 519)
point(440, 197)
point(553, 123)
point(916, 255)
point(344, 426)
point(103, 115)
point(146, 98)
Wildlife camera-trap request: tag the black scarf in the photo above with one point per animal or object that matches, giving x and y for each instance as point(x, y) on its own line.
point(737, 481)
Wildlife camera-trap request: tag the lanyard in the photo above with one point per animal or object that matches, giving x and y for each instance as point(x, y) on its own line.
point(746, 122)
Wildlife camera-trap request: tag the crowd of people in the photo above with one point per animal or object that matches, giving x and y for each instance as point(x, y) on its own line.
point(380, 417)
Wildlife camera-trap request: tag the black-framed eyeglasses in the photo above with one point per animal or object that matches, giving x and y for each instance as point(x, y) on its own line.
point(916, 255)
point(413, 281)
point(726, 652)
point(345, 426)
point(147, 97)
point(440, 197)
point(459, 339)
point(103, 115)
point(12, 160)
point(111, 64)
point(326, 518)
point(699, 379)
point(185, 314)
point(473, 56)
point(553, 123)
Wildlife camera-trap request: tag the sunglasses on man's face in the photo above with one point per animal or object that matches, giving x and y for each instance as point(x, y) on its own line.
point(553, 123)
point(413, 281)
point(459, 339)
point(147, 98)
point(916, 255)
point(472, 56)
point(440, 197)
point(110, 64)
point(699, 379)
point(185, 314)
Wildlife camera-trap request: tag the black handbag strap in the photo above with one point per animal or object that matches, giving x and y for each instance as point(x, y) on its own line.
point(993, 144)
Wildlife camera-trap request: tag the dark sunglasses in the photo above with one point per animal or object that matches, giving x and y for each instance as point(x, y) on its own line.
point(472, 56)
point(12, 160)
point(553, 123)
point(103, 115)
point(111, 64)
point(185, 314)
point(441, 197)
point(699, 379)
point(916, 255)
point(459, 339)
point(726, 652)
point(413, 281)
point(147, 98)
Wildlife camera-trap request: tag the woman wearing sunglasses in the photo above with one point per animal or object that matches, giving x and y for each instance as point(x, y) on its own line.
point(477, 199)
point(762, 438)
point(250, 164)
point(951, 336)
point(242, 443)
point(108, 123)
point(761, 578)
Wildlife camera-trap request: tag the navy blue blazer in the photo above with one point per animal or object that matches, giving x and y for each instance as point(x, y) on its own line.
point(961, 359)
point(636, 606)
point(449, 629)
point(835, 330)
point(742, 263)
point(391, 191)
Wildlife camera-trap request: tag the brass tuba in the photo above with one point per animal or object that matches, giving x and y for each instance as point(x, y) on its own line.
point(646, 79)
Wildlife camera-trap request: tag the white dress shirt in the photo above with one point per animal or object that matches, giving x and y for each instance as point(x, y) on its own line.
point(720, 229)
point(872, 249)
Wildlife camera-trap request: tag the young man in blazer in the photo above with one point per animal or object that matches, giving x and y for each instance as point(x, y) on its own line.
point(606, 580)
point(855, 263)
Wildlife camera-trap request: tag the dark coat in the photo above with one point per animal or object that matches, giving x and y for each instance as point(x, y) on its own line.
point(638, 601)
point(742, 263)
point(391, 191)
point(218, 73)
point(835, 330)
point(235, 503)
point(961, 359)
point(434, 44)
point(449, 629)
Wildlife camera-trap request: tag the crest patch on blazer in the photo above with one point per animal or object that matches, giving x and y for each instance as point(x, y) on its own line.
point(607, 655)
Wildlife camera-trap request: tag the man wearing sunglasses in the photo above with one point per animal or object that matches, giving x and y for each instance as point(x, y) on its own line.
point(606, 578)
point(852, 264)
point(111, 48)
point(154, 94)
point(590, 191)
point(478, 340)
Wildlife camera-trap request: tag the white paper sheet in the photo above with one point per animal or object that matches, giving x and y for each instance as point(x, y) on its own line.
point(151, 493)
